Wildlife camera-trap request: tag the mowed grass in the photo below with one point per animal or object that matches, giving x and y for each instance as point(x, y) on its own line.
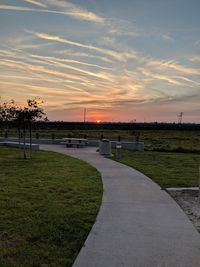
point(48, 206)
point(166, 169)
point(154, 140)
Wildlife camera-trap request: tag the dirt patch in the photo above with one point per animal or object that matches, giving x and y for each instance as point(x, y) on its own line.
point(190, 203)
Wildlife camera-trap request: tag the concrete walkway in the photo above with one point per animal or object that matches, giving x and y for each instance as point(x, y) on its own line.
point(139, 225)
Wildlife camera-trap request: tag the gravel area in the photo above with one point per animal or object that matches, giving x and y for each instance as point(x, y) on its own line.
point(190, 203)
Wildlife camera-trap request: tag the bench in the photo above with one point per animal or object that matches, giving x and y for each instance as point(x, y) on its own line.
point(74, 142)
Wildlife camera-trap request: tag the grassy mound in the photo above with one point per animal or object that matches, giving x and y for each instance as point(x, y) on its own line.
point(48, 206)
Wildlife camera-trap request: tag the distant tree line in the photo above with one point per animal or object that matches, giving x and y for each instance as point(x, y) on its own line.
point(61, 125)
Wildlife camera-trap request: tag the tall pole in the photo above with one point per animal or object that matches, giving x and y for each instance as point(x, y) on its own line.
point(84, 116)
point(180, 117)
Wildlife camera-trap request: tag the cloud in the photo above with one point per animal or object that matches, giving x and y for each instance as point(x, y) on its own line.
point(117, 55)
point(122, 27)
point(76, 11)
point(187, 80)
point(183, 69)
point(37, 3)
point(17, 8)
point(194, 58)
point(66, 8)
point(197, 43)
point(157, 76)
point(163, 65)
point(62, 60)
point(166, 37)
point(68, 52)
point(41, 71)
point(58, 63)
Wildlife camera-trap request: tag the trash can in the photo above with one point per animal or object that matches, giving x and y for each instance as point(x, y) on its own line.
point(105, 147)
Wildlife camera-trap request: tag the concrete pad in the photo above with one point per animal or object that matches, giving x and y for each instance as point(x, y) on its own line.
point(21, 145)
point(138, 225)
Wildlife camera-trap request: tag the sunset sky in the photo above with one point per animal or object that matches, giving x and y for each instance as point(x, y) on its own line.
point(121, 60)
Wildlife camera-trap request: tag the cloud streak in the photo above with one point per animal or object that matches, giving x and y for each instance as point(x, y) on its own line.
point(117, 55)
point(61, 60)
point(163, 65)
point(37, 3)
point(69, 10)
point(76, 11)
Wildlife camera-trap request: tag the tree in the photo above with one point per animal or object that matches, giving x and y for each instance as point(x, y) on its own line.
point(21, 117)
point(35, 112)
point(7, 115)
point(26, 116)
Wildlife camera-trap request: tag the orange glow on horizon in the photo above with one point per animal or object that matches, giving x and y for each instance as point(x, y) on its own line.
point(98, 121)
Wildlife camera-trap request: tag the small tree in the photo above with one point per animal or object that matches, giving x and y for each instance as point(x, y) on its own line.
point(22, 117)
point(26, 116)
point(35, 112)
point(7, 115)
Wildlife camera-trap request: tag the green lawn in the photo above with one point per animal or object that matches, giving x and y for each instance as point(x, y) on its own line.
point(48, 206)
point(165, 140)
point(166, 169)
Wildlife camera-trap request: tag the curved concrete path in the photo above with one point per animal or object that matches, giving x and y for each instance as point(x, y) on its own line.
point(138, 224)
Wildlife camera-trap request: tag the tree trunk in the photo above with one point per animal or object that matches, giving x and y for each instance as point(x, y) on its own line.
point(19, 136)
point(24, 142)
point(30, 136)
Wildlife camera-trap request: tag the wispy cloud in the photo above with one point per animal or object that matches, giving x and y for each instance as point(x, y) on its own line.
point(23, 8)
point(68, 52)
point(17, 8)
point(158, 76)
point(187, 80)
point(117, 55)
point(163, 65)
point(76, 11)
point(197, 43)
point(165, 36)
point(41, 70)
point(58, 63)
point(123, 27)
point(99, 75)
point(64, 8)
point(37, 3)
point(194, 58)
point(62, 60)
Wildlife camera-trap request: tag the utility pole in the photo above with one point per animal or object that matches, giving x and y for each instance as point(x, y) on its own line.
point(84, 115)
point(180, 118)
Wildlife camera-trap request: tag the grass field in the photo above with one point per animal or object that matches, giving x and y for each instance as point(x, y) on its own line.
point(48, 206)
point(166, 169)
point(157, 140)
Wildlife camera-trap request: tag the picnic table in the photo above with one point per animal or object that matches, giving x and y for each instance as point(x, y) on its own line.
point(74, 142)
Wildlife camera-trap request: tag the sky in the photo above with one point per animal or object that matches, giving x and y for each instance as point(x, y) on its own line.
point(130, 60)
